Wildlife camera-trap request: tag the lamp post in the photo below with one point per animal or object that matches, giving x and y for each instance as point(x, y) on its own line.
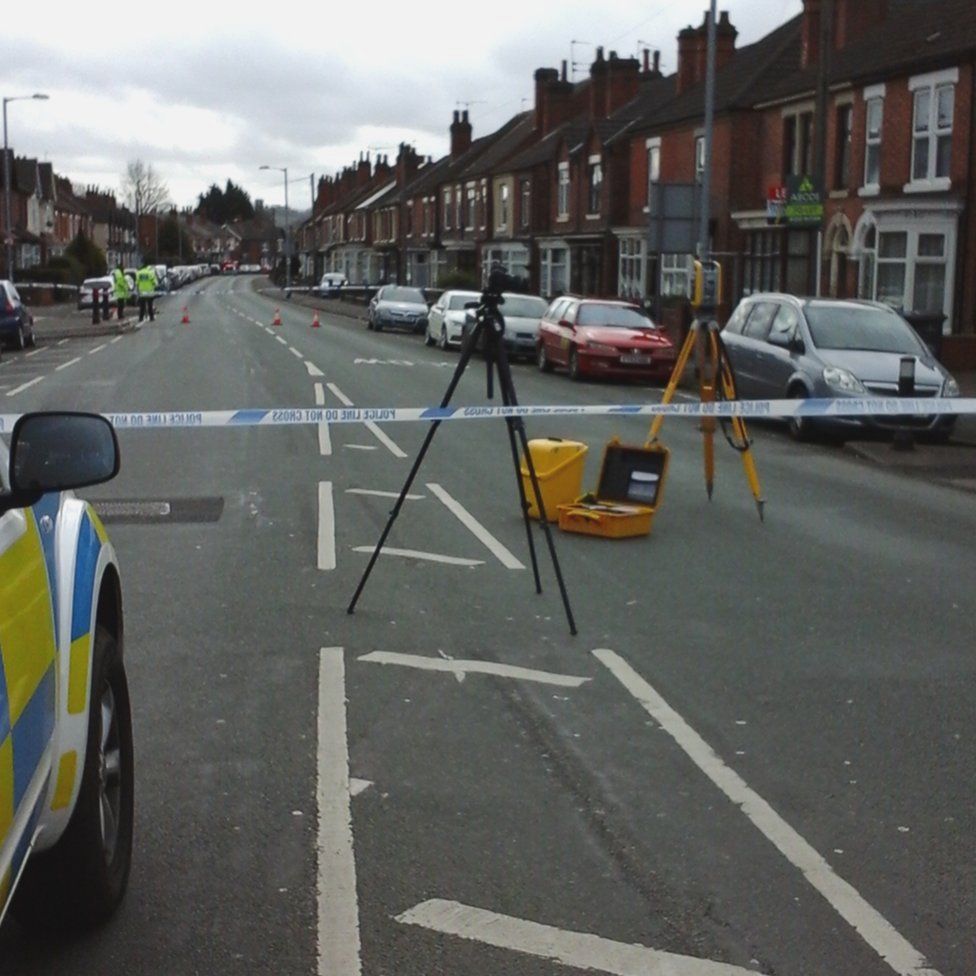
point(284, 169)
point(8, 229)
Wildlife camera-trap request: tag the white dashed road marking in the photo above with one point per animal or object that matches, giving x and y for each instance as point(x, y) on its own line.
point(326, 536)
point(500, 552)
point(70, 362)
point(24, 386)
point(430, 557)
point(452, 666)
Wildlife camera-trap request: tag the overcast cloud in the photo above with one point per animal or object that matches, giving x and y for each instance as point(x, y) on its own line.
point(213, 90)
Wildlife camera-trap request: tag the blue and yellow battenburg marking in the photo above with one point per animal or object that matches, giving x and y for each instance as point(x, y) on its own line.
point(28, 650)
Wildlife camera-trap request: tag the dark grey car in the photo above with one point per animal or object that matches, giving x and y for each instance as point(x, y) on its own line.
point(781, 346)
point(398, 307)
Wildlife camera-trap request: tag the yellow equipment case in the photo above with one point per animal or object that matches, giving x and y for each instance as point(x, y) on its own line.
point(559, 470)
point(627, 497)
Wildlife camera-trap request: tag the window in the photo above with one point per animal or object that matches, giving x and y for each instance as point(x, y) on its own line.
point(631, 267)
point(447, 210)
point(501, 223)
point(675, 275)
point(594, 184)
point(929, 281)
point(785, 324)
point(892, 258)
point(873, 118)
point(842, 157)
point(562, 197)
point(458, 208)
point(934, 97)
point(758, 324)
point(471, 199)
point(700, 159)
point(554, 276)
point(798, 144)
point(653, 166)
point(525, 204)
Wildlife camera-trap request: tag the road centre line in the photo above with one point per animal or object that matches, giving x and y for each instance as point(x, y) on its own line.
point(33, 352)
point(326, 536)
point(893, 948)
point(281, 339)
point(70, 362)
point(338, 904)
point(295, 352)
point(24, 386)
point(91, 352)
point(115, 340)
point(430, 557)
point(386, 441)
point(313, 370)
point(383, 494)
point(61, 342)
point(499, 551)
point(325, 436)
point(461, 666)
point(579, 950)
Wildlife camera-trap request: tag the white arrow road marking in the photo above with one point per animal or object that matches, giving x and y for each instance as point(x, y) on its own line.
point(460, 675)
point(473, 667)
point(877, 931)
point(577, 949)
point(338, 928)
point(357, 786)
point(313, 370)
point(503, 555)
point(383, 494)
point(430, 557)
point(386, 441)
point(326, 541)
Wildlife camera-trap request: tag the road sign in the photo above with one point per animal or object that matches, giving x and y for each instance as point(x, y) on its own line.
point(804, 202)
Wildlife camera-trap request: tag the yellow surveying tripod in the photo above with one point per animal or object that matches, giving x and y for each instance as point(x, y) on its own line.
point(715, 378)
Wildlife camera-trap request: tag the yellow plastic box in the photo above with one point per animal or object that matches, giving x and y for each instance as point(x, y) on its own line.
point(559, 469)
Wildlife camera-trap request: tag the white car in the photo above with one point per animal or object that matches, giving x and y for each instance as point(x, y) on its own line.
point(88, 287)
point(331, 284)
point(445, 321)
point(66, 767)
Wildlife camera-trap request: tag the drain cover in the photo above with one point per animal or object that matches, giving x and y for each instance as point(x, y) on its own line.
point(151, 511)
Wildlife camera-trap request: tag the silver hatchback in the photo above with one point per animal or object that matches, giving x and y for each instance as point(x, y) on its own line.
point(781, 346)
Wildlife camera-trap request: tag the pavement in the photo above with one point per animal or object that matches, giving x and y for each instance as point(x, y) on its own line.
point(953, 464)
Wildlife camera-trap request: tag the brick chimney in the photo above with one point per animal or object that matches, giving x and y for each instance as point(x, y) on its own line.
point(382, 168)
point(460, 134)
point(725, 35)
point(688, 42)
point(810, 33)
point(855, 18)
point(553, 102)
point(693, 50)
point(363, 172)
point(613, 82)
point(407, 163)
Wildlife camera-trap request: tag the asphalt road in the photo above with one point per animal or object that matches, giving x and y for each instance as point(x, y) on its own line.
point(758, 750)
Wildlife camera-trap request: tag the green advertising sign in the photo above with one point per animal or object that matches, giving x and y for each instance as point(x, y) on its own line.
point(804, 202)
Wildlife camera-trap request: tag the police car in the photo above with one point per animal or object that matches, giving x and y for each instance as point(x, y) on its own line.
point(66, 777)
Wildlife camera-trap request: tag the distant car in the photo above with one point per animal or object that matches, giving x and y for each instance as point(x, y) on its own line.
point(16, 321)
point(398, 307)
point(331, 284)
point(783, 346)
point(65, 733)
point(88, 287)
point(603, 338)
point(445, 321)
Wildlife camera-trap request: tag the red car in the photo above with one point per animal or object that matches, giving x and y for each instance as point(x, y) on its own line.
point(598, 337)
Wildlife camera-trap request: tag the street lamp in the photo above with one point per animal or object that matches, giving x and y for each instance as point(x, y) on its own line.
point(8, 229)
point(284, 169)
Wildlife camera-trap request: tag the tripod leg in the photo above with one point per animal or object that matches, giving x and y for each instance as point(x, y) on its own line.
point(523, 501)
point(466, 351)
point(739, 429)
point(679, 370)
point(517, 426)
point(709, 367)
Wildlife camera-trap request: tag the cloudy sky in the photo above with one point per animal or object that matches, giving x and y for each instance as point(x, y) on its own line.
point(208, 91)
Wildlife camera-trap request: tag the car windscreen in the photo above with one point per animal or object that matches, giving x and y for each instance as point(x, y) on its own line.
point(613, 316)
point(864, 329)
point(414, 295)
point(458, 302)
point(524, 306)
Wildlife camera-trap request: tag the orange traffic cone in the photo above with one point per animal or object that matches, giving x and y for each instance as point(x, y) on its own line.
point(316, 324)
point(186, 317)
point(277, 317)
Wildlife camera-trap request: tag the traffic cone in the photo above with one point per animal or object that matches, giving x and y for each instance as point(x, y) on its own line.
point(186, 317)
point(316, 324)
point(277, 317)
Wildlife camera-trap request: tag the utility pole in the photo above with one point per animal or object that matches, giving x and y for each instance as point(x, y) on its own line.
point(820, 121)
point(706, 185)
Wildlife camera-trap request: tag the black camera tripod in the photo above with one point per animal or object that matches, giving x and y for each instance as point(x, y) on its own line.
point(488, 335)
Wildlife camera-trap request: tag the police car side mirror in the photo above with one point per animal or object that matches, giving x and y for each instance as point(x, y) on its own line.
point(61, 451)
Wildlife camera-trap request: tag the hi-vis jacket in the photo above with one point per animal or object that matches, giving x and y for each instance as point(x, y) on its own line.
point(121, 286)
point(146, 283)
point(56, 565)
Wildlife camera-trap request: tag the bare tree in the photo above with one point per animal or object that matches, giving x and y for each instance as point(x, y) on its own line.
point(143, 189)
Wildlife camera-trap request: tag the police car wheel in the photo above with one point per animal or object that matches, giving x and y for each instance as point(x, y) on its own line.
point(81, 880)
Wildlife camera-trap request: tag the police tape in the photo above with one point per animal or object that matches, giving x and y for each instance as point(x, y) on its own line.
point(867, 408)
